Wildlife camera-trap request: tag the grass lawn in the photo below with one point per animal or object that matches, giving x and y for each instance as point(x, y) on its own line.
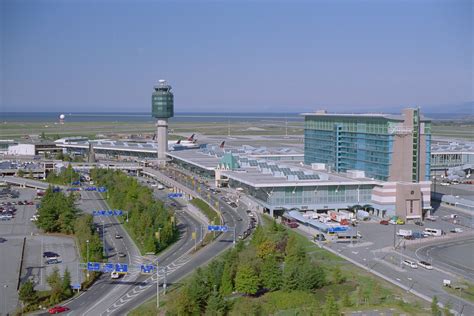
point(466, 290)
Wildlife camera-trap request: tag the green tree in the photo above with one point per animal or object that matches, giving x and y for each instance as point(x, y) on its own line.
point(294, 250)
point(291, 276)
point(227, 287)
point(310, 277)
point(216, 305)
point(270, 274)
point(55, 282)
point(435, 311)
point(20, 173)
point(43, 135)
point(246, 279)
point(447, 309)
point(66, 284)
point(337, 276)
point(27, 293)
point(346, 300)
point(331, 308)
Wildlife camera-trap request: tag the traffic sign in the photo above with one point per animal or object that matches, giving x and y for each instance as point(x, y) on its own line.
point(102, 189)
point(121, 267)
point(107, 213)
point(76, 286)
point(93, 266)
point(108, 267)
point(217, 228)
point(147, 268)
point(175, 195)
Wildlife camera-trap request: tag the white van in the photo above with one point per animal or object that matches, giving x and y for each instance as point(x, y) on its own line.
point(410, 263)
point(433, 232)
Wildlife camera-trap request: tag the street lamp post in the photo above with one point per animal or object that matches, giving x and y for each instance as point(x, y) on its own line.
point(87, 245)
point(157, 287)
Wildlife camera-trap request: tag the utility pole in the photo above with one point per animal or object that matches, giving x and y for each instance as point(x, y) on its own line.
point(103, 238)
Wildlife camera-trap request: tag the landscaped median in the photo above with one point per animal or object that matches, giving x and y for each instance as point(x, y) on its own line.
point(211, 215)
point(150, 225)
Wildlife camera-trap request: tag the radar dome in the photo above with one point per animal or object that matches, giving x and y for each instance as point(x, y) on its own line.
point(62, 116)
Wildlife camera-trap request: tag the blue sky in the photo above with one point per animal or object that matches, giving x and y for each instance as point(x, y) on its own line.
point(235, 56)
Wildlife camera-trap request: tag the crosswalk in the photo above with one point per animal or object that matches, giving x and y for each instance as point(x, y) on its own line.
point(149, 282)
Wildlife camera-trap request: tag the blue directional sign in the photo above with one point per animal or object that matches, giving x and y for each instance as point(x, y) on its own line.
point(217, 228)
point(93, 266)
point(175, 195)
point(91, 189)
point(108, 267)
point(107, 213)
point(147, 268)
point(121, 267)
point(102, 189)
point(76, 286)
point(76, 183)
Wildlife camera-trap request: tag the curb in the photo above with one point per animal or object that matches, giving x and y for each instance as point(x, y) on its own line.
point(21, 263)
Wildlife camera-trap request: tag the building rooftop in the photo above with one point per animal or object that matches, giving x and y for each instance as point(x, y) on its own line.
point(394, 117)
point(452, 147)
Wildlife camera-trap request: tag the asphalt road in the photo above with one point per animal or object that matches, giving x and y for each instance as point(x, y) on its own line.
point(186, 263)
point(105, 289)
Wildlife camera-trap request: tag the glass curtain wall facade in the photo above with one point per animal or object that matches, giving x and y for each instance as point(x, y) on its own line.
point(345, 143)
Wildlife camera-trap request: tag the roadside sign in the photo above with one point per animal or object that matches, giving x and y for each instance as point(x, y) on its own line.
point(147, 268)
point(175, 195)
point(76, 286)
point(102, 189)
point(108, 267)
point(121, 267)
point(118, 212)
point(93, 266)
point(107, 213)
point(217, 228)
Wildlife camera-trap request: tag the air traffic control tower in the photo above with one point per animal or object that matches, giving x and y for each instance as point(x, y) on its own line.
point(162, 109)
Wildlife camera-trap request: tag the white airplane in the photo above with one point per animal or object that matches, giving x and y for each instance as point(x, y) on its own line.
point(189, 143)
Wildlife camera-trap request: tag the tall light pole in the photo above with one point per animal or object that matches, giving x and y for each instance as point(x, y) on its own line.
point(87, 245)
point(157, 287)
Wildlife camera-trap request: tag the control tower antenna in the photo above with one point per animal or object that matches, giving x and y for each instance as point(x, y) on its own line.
point(162, 103)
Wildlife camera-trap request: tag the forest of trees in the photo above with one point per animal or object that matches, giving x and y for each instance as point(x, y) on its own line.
point(65, 177)
point(150, 224)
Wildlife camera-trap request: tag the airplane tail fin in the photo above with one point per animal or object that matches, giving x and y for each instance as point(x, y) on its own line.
point(178, 142)
point(191, 138)
point(222, 144)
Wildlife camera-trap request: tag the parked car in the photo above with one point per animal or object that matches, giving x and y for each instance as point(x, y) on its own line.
point(410, 263)
point(58, 309)
point(418, 223)
point(384, 222)
point(53, 261)
point(425, 265)
point(50, 255)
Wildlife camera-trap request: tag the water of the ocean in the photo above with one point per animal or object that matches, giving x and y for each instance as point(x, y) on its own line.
point(146, 117)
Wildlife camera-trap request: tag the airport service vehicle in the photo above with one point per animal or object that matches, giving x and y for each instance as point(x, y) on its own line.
point(400, 222)
point(404, 232)
point(425, 265)
point(419, 223)
point(447, 283)
point(383, 222)
point(114, 275)
point(58, 309)
point(456, 230)
point(433, 232)
point(410, 263)
point(341, 218)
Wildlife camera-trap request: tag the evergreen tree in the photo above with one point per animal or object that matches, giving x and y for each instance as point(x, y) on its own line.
point(66, 284)
point(435, 311)
point(270, 274)
point(27, 293)
point(310, 277)
point(331, 308)
point(346, 300)
point(337, 276)
point(447, 309)
point(246, 279)
point(291, 276)
point(215, 305)
point(227, 287)
point(294, 251)
point(55, 282)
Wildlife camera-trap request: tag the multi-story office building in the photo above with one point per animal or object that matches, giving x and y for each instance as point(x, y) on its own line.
point(386, 147)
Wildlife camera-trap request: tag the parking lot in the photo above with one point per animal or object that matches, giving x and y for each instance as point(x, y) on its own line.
point(19, 232)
